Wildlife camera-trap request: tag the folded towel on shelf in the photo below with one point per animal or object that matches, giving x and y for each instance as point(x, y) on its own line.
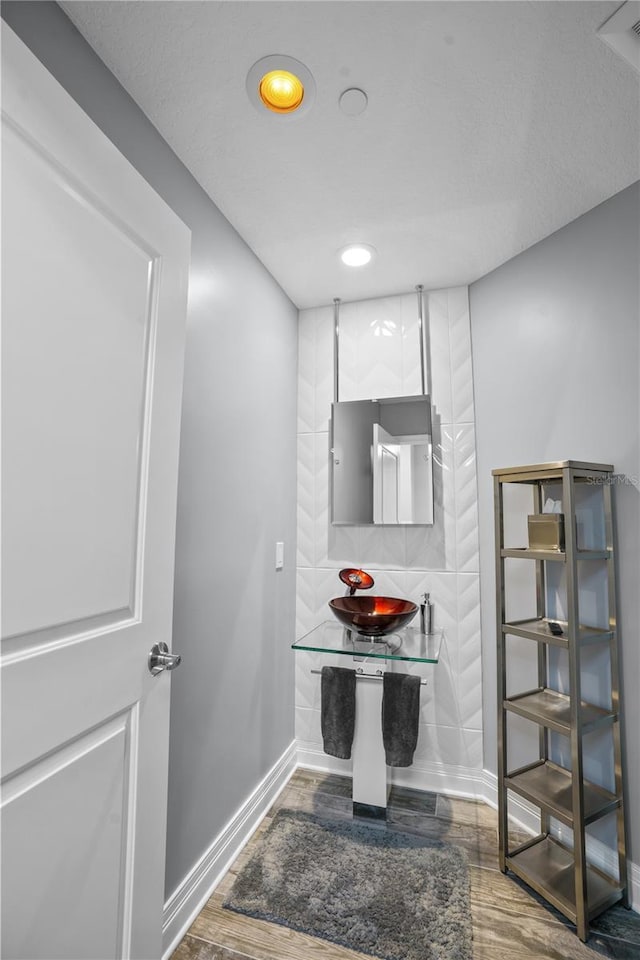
point(338, 710)
point(400, 717)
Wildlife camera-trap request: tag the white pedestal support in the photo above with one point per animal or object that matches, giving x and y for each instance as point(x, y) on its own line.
point(370, 790)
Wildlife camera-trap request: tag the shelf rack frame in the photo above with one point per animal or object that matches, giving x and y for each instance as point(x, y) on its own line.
point(560, 874)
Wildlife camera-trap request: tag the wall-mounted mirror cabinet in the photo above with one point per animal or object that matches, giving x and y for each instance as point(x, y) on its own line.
point(381, 461)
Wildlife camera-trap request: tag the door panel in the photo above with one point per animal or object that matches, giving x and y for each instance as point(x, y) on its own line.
point(95, 269)
point(70, 867)
point(70, 544)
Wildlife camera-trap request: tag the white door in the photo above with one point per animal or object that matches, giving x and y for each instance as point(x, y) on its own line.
point(95, 270)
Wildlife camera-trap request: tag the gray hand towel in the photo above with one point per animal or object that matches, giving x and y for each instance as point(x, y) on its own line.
point(400, 717)
point(338, 710)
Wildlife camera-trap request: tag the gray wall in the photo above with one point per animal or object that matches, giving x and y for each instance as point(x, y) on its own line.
point(232, 700)
point(556, 369)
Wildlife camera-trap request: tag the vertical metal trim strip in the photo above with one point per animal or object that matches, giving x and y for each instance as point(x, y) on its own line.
point(607, 495)
point(543, 655)
point(336, 347)
point(577, 789)
point(503, 835)
point(421, 335)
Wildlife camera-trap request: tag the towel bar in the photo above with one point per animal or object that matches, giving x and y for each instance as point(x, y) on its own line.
point(361, 675)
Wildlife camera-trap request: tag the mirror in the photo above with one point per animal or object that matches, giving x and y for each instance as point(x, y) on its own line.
point(381, 459)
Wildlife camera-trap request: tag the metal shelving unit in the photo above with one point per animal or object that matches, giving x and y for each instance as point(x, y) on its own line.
point(548, 863)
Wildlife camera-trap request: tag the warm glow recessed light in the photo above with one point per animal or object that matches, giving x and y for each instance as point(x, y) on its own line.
point(357, 255)
point(281, 91)
point(281, 86)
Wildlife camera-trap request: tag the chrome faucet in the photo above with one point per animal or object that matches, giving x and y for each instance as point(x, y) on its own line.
point(355, 582)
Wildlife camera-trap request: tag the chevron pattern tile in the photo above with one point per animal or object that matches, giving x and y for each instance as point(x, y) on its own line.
point(380, 356)
point(382, 547)
point(343, 547)
point(324, 344)
point(411, 371)
point(466, 498)
point(439, 698)
point(460, 350)
point(321, 517)
point(305, 600)
point(388, 583)
point(306, 540)
point(307, 724)
point(443, 591)
point(327, 586)
point(379, 346)
point(306, 370)
point(434, 548)
point(348, 368)
point(469, 667)
point(437, 309)
point(306, 686)
point(308, 683)
point(449, 745)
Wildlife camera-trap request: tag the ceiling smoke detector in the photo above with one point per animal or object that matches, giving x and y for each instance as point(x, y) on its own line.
point(353, 102)
point(622, 32)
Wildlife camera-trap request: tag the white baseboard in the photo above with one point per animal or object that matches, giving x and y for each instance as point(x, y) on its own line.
point(187, 900)
point(523, 813)
point(449, 779)
point(312, 757)
point(633, 873)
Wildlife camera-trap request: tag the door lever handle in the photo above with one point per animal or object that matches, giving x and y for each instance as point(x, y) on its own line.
point(160, 659)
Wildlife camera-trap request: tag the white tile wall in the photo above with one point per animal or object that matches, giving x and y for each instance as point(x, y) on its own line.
point(380, 356)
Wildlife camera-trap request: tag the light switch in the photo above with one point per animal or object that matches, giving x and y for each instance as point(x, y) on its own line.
point(279, 555)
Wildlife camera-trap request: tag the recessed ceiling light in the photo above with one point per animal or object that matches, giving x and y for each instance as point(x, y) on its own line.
point(281, 86)
point(281, 91)
point(357, 254)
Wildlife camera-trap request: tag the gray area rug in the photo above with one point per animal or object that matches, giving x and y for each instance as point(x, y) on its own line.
point(391, 895)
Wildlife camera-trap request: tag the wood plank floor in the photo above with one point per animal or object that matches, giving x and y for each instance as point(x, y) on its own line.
point(509, 921)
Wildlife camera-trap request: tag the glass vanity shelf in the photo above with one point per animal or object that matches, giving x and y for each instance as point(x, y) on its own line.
point(407, 644)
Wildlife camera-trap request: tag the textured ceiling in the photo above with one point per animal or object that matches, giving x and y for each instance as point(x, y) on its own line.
point(489, 126)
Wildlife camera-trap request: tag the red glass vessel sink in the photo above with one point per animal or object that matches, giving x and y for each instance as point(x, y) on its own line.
point(373, 616)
